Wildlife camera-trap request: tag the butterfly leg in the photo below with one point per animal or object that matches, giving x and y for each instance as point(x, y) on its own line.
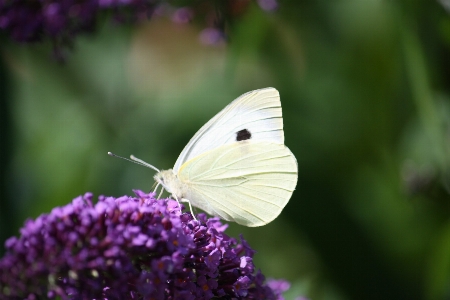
point(154, 191)
point(159, 196)
point(190, 207)
point(189, 202)
point(179, 205)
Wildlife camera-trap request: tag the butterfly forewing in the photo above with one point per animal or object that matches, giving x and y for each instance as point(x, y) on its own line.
point(258, 112)
point(248, 182)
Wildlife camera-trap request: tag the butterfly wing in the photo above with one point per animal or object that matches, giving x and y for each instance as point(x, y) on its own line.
point(256, 113)
point(248, 182)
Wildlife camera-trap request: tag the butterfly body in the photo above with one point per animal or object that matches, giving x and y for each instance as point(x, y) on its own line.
point(236, 166)
point(170, 182)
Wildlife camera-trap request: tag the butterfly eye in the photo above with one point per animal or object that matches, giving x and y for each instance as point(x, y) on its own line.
point(159, 178)
point(243, 135)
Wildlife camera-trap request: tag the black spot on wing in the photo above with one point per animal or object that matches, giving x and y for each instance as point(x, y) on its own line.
point(243, 135)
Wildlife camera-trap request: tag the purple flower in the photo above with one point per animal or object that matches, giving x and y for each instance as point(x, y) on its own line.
point(129, 248)
point(211, 36)
point(268, 5)
point(182, 15)
point(241, 286)
point(28, 21)
point(280, 285)
point(61, 21)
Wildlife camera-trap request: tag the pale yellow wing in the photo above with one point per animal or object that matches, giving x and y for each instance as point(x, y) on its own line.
point(247, 182)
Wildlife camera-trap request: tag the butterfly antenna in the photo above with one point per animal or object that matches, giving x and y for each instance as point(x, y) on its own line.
point(135, 160)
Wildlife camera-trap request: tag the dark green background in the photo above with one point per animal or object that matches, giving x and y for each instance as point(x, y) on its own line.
point(365, 92)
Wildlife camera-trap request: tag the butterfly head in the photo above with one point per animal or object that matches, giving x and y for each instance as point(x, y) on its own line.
point(168, 179)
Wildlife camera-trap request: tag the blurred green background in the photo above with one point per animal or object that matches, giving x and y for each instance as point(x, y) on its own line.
point(365, 89)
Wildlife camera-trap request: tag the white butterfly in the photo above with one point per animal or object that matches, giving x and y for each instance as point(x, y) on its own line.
point(236, 166)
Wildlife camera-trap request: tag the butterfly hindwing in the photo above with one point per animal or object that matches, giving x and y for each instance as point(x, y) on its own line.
point(254, 116)
point(248, 182)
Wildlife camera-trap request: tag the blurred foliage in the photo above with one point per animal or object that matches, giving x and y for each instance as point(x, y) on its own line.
point(365, 93)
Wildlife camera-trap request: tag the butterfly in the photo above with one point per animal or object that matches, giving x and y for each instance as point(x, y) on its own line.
point(236, 166)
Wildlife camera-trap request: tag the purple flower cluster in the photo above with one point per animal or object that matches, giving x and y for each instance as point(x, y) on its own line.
point(129, 248)
point(60, 21)
point(30, 21)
